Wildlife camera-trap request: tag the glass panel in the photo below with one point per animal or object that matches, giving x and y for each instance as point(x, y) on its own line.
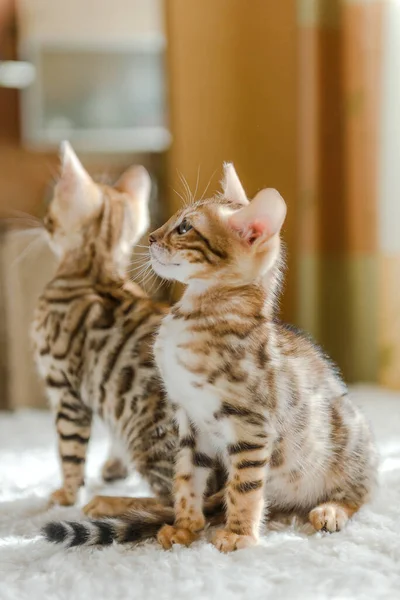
point(102, 90)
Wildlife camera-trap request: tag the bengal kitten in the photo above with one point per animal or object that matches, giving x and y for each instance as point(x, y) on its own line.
point(93, 332)
point(247, 388)
point(93, 335)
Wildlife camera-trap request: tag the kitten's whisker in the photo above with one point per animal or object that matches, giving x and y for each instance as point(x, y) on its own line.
point(140, 268)
point(180, 196)
point(151, 282)
point(138, 275)
point(184, 197)
point(208, 185)
point(26, 250)
point(148, 270)
point(22, 213)
point(148, 276)
point(188, 189)
point(29, 227)
point(183, 184)
point(143, 267)
point(22, 222)
point(137, 268)
point(140, 255)
point(197, 183)
point(162, 282)
point(140, 261)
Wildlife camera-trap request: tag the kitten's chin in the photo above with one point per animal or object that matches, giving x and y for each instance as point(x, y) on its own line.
point(163, 270)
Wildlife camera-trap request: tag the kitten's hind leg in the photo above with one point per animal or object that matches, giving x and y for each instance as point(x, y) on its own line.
point(331, 516)
point(114, 468)
point(116, 506)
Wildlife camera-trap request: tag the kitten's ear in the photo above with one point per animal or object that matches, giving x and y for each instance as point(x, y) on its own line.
point(73, 174)
point(231, 187)
point(136, 182)
point(75, 190)
point(261, 220)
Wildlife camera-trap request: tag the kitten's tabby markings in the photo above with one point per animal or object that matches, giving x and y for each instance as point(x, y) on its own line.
point(248, 389)
point(93, 331)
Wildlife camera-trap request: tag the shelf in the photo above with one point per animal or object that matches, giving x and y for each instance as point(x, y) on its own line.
point(140, 139)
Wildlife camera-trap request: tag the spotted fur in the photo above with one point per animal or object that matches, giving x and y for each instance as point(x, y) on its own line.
point(93, 335)
point(93, 332)
point(247, 389)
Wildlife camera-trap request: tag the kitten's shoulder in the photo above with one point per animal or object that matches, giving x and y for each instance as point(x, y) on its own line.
point(293, 340)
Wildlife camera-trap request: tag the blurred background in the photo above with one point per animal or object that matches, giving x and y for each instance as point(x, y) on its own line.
point(301, 95)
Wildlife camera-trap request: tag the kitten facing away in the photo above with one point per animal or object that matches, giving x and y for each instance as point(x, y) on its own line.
point(93, 331)
point(247, 389)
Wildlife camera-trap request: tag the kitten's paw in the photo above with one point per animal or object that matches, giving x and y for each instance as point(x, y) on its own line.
point(191, 523)
point(169, 535)
point(101, 506)
point(114, 469)
point(328, 517)
point(62, 497)
point(227, 541)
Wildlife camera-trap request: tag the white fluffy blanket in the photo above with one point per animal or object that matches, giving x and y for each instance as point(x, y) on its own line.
point(362, 562)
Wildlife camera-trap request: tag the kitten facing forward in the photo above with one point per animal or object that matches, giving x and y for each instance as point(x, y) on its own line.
point(247, 389)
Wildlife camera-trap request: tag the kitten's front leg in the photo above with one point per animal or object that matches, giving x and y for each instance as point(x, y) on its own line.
point(73, 421)
point(244, 498)
point(192, 469)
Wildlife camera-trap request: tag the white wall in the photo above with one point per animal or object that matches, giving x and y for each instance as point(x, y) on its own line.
point(389, 167)
point(89, 20)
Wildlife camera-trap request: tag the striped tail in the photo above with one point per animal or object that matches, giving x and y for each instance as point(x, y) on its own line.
point(135, 526)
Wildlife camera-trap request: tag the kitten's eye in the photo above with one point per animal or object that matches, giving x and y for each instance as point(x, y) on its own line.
point(48, 223)
point(183, 227)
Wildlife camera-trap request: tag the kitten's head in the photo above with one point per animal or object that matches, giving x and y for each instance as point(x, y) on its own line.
point(84, 214)
point(226, 239)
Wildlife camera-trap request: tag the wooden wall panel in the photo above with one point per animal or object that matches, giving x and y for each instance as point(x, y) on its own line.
point(233, 96)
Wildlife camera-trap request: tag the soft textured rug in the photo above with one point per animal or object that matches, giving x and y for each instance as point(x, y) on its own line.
point(362, 562)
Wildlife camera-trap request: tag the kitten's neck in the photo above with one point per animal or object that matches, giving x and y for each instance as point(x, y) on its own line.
point(87, 264)
point(262, 293)
point(252, 299)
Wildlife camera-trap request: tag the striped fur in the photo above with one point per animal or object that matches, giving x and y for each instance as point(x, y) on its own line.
point(93, 332)
point(136, 526)
point(142, 520)
point(93, 335)
point(247, 389)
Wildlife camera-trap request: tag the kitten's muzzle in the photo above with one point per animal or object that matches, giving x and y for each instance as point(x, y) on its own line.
point(161, 256)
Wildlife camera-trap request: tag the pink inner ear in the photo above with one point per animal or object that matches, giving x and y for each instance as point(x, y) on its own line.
point(261, 219)
point(250, 231)
point(259, 228)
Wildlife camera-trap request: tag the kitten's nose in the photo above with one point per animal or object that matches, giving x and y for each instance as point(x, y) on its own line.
point(152, 238)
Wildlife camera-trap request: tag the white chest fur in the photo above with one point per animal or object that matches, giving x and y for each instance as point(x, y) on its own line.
point(173, 354)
